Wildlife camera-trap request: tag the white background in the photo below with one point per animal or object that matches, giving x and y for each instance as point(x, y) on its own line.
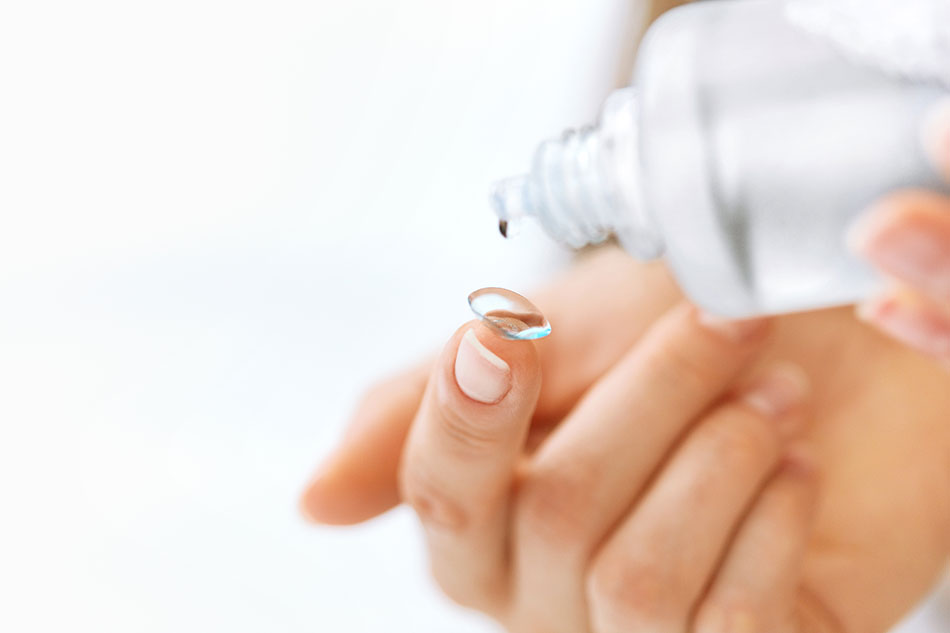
point(220, 221)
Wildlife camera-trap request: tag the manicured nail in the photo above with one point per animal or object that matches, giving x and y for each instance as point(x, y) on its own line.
point(735, 330)
point(480, 374)
point(918, 253)
point(912, 322)
point(778, 391)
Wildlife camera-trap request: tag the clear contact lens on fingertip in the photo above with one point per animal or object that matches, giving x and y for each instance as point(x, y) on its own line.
point(509, 314)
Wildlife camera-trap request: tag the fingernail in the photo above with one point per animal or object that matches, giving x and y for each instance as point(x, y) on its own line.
point(735, 330)
point(910, 321)
point(778, 391)
point(918, 253)
point(480, 374)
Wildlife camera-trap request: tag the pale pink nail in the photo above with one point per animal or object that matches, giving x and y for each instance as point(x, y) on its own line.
point(918, 253)
point(914, 323)
point(480, 374)
point(778, 391)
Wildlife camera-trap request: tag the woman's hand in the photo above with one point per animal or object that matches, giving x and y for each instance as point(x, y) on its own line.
point(882, 530)
point(599, 309)
point(907, 236)
point(653, 506)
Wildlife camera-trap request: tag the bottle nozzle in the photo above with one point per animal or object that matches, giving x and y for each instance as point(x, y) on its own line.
point(509, 199)
point(584, 186)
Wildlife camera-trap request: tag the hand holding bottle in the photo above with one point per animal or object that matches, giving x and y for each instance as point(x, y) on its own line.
point(907, 236)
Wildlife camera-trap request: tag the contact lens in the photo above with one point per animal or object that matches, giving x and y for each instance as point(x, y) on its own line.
point(509, 314)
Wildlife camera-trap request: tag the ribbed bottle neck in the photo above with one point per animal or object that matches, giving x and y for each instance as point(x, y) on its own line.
point(585, 186)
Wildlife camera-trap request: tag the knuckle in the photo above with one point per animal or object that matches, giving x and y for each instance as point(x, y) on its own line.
point(481, 593)
point(467, 438)
point(814, 615)
point(745, 439)
point(681, 364)
point(621, 590)
point(553, 507)
point(434, 506)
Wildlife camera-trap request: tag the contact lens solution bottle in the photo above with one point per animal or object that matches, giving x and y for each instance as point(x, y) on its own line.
point(743, 151)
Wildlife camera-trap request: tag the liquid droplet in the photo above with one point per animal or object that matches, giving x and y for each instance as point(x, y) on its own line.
point(509, 314)
point(509, 199)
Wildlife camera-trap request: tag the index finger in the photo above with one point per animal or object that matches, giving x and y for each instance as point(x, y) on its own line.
point(598, 310)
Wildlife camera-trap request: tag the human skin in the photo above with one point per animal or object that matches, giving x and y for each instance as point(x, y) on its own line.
point(878, 430)
point(878, 433)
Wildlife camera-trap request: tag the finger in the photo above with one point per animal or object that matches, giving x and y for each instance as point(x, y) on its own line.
point(654, 567)
point(907, 235)
point(599, 309)
point(912, 318)
point(358, 480)
point(457, 468)
point(594, 325)
point(757, 585)
point(584, 478)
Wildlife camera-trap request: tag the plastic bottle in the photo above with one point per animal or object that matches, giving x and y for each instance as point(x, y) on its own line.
point(742, 154)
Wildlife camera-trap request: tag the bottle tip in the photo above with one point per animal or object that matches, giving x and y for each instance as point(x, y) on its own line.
point(509, 202)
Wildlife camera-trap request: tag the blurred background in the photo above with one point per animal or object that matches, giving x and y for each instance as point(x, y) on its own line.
point(221, 222)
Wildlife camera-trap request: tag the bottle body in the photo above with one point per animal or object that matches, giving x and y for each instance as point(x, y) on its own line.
point(760, 143)
point(753, 146)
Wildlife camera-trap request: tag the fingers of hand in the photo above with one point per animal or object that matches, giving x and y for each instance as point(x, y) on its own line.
point(457, 467)
point(358, 480)
point(907, 236)
point(911, 318)
point(589, 472)
point(653, 569)
point(756, 587)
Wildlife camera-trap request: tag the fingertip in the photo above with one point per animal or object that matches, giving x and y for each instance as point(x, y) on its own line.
point(733, 330)
point(342, 495)
point(909, 318)
point(480, 374)
point(513, 352)
point(318, 500)
point(308, 505)
point(907, 236)
point(868, 225)
point(485, 367)
point(311, 504)
point(781, 389)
